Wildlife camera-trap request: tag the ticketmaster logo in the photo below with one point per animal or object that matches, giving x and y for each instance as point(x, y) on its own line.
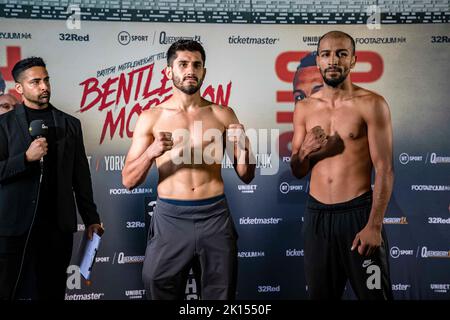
point(89, 296)
point(400, 287)
point(251, 40)
point(294, 253)
point(249, 220)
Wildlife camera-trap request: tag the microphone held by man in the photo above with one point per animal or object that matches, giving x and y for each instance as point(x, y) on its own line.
point(39, 147)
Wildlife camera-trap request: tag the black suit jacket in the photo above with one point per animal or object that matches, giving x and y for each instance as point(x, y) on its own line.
point(19, 179)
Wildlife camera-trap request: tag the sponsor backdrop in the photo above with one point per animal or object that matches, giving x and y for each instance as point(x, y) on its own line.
point(106, 73)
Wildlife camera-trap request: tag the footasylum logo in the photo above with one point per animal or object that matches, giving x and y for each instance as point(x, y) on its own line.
point(430, 187)
point(251, 254)
point(15, 35)
point(120, 191)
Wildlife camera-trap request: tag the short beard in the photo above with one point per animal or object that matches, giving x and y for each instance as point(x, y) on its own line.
point(189, 90)
point(37, 101)
point(334, 82)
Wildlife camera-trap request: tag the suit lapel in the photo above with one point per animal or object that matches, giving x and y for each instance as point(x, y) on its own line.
point(21, 119)
point(60, 125)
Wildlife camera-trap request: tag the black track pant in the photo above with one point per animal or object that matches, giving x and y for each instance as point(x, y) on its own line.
point(184, 233)
point(329, 231)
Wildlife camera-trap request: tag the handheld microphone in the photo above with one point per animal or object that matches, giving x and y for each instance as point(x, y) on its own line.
point(38, 129)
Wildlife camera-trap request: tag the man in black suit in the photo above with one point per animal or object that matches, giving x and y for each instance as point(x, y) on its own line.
point(37, 219)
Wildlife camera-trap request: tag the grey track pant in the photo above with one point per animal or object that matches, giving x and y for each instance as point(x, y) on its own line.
point(184, 233)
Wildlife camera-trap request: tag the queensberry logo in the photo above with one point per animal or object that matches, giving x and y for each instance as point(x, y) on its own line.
point(426, 253)
point(436, 159)
point(122, 258)
point(395, 220)
point(164, 38)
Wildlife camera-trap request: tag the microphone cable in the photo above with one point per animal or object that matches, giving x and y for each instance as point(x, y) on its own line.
point(41, 162)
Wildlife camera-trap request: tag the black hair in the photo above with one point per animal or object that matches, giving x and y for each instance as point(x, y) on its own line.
point(184, 45)
point(26, 64)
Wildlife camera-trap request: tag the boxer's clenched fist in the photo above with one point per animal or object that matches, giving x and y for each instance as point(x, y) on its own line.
point(162, 143)
point(314, 140)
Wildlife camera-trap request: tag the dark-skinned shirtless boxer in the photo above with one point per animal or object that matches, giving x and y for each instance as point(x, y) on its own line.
point(341, 133)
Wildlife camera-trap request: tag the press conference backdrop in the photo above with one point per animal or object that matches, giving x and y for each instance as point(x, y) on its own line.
point(105, 60)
